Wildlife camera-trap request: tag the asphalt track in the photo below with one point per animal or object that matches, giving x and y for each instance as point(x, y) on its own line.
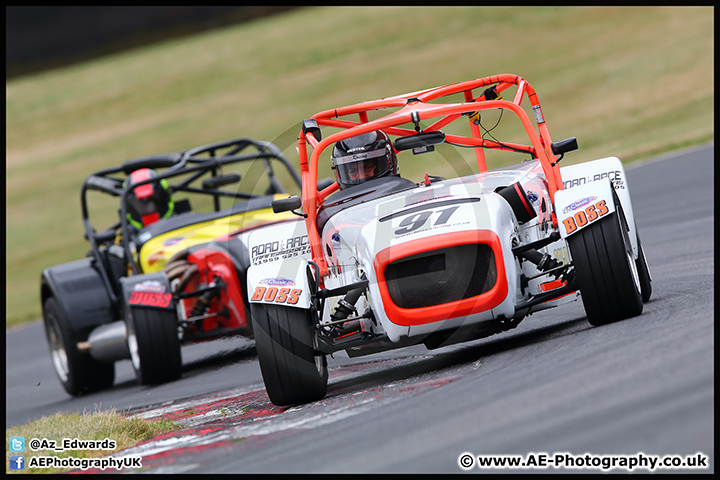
point(555, 385)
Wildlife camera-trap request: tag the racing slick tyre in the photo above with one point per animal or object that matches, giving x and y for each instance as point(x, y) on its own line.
point(154, 346)
point(78, 372)
point(285, 343)
point(606, 271)
point(643, 272)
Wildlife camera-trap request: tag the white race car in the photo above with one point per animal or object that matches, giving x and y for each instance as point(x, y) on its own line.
point(388, 262)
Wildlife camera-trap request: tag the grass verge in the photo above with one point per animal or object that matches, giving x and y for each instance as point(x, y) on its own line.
point(100, 425)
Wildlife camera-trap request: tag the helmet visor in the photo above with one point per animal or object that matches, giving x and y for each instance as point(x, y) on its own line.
point(360, 167)
point(143, 206)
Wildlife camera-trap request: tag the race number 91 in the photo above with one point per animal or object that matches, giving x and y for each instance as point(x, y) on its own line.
point(587, 215)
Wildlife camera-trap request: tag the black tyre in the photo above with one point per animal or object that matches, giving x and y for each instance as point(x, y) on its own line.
point(154, 344)
point(285, 340)
point(78, 372)
point(643, 272)
point(606, 271)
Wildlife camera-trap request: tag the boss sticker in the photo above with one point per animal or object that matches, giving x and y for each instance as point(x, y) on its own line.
point(150, 299)
point(286, 295)
point(587, 215)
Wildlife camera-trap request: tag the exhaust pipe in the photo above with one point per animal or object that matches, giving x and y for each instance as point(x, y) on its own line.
point(107, 343)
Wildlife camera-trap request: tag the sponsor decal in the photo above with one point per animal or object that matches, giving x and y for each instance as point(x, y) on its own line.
point(579, 203)
point(276, 295)
point(149, 286)
point(335, 238)
point(613, 175)
point(279, 282)
point(562, 255)
point(173, 241)
point(583, 217)
point(156, 257)
point(533, 197)
point(150, 299)
point(355, 157)
point(279, 249)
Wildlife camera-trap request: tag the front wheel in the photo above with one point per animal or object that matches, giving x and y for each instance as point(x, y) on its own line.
point(643, 272)
point(78, 372)
point(285, 340)
point(606, 270)
point(154, 344)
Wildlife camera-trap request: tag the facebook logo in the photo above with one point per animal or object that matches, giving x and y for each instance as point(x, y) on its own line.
point(17, 462)
point(17, 444)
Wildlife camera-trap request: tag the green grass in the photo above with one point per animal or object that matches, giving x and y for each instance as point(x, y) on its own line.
point(628, 82)
point(125, 432)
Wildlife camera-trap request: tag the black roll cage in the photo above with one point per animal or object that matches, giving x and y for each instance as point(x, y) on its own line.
point(175, 164)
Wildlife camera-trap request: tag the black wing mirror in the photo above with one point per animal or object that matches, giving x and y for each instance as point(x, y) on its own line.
point(564, 146)
point(289, 204)
point(420, 142)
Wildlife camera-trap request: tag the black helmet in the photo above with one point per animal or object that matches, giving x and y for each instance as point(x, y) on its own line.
point(148, 203)
point(358, 159)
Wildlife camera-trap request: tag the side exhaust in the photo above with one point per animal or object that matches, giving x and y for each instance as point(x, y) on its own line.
point(107, 343)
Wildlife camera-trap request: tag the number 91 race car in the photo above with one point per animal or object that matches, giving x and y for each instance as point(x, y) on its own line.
point(394, 263)
point(167, 273)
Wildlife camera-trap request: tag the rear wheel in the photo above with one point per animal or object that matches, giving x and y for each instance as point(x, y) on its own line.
point(78, 372)
point(606, 271)
point(286, 346)
point(154, 345)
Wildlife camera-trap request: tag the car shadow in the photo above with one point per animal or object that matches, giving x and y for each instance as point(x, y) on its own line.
point(378, 373)
point(219, 359)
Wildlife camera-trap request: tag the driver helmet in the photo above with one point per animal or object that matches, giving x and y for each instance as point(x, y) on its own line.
point(356, 160)
point(147, 203)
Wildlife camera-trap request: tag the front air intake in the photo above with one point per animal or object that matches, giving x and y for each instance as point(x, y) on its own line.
point(441, 276)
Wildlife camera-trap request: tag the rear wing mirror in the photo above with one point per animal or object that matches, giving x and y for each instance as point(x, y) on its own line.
point(420, 142)
point(564, 146)
point(289, 204)
point(310, 125)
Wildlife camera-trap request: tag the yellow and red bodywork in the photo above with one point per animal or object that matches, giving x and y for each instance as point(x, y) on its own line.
point(155, 253)
point(213, 264)
point(211, 253)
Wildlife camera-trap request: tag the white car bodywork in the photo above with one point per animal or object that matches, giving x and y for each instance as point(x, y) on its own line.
point(355, 237)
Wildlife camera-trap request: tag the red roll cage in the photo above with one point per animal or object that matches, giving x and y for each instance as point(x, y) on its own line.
point(413, 107)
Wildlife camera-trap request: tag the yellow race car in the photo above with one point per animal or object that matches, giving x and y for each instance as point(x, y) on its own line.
point(167, 272)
